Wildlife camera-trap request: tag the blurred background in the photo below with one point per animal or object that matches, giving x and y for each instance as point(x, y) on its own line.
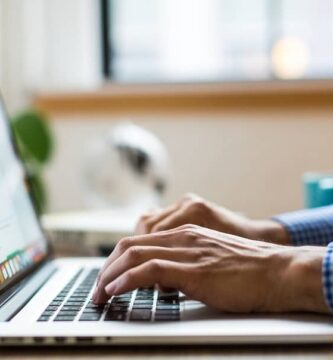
point(239, 92)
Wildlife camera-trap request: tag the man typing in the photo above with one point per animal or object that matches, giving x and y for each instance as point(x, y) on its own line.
point(227, 261)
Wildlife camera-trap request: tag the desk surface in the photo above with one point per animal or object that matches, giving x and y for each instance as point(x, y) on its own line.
point(243, 353)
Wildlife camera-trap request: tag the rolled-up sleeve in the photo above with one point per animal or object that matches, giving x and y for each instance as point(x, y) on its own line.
point(309, 227)
point(328, 276)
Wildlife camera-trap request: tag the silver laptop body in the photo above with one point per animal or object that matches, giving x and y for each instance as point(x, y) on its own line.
point(47, 302)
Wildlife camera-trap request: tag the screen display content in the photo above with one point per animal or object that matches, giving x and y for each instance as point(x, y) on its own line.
point(22, 243)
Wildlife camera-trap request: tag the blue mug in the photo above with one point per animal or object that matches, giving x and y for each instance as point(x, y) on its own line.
point(318, 189)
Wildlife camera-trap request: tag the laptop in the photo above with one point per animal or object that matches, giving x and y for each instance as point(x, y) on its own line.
point(46, 301)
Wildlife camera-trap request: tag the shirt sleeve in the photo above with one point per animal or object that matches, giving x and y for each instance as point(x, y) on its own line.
point(327, 276)
point(309, 227)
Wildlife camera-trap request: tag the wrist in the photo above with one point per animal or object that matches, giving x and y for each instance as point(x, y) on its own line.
point(271, 231)
point(298, 286)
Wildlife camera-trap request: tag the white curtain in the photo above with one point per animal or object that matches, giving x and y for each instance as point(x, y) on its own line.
point(48, 45)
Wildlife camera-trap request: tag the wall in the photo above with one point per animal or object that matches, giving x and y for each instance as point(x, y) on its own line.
point(248, 161)
point(48, 44)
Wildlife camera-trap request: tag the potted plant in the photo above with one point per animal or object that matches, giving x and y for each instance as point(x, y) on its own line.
point(35, 145)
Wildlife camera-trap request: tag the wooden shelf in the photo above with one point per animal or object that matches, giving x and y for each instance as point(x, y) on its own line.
point(144, 99)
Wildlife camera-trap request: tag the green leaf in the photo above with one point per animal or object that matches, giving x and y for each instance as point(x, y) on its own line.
point(34, 136)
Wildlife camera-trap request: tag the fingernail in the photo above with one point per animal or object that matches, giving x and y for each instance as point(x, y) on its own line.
point(110, 289)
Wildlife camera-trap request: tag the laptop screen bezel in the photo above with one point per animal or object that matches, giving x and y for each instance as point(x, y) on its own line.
point(49, 250)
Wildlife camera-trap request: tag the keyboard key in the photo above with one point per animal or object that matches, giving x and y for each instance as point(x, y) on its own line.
point(117, 308)
point(93, 311)
point(169, 301)
point(167, 307)
point(123, 296)
point(68, 313)
point(74, 303)
point(71, 308)
point(81, 297)
point(54, 303)
point(142, 306)
point(115, 317)
point(93, 306)
point(171, 295)
point(64, 318)
point(166, 311)
point(90, 317)
point(121, 301)
point(147, 301)
point(46, 313)
point(44, 318)
point(141, 315)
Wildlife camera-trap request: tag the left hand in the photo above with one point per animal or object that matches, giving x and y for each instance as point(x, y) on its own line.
point(192, 209)
point(226, 272)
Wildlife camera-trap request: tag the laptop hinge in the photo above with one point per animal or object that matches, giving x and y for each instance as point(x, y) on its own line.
point(18, 296)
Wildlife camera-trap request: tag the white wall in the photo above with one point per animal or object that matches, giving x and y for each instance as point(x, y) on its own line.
point(248, 161)
point(48, 44)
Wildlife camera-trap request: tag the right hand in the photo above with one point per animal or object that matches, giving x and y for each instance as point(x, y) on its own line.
point(192, 209)
point(226, 272)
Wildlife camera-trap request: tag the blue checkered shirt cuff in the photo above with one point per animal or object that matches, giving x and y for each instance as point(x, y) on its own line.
point(314, 227)
point(309, 227)
point(328, 276)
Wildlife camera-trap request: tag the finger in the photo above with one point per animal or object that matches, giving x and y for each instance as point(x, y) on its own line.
point(136, 256)
point(144, 218)
point(170, 239)
point(146, 223)
point(126, 243)
point(167, 274)
point(174, 220)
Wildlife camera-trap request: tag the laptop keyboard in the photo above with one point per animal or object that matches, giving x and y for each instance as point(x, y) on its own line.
point(73, 303)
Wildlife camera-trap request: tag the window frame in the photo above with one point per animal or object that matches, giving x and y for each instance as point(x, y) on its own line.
point(108, 54)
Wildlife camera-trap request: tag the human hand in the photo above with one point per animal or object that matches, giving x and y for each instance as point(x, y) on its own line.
point(226, 272)
point(192, 209)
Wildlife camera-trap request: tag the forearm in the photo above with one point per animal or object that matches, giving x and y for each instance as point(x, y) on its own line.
point(271, 231)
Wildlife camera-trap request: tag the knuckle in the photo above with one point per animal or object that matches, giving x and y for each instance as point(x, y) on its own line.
point(189, 233)
point(190, 236)
point(144, 219)
point(145, 216)
point(206, 252)
point(187, 227)
point(155, 266)
point(125, 244)
point(134, 252)
point(212, 244)
point(157, 228)
point(200, 253)
point(198, 205)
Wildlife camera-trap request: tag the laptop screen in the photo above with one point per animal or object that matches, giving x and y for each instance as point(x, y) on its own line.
point(22, 243)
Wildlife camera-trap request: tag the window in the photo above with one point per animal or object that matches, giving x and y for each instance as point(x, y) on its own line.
point(217, 40)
